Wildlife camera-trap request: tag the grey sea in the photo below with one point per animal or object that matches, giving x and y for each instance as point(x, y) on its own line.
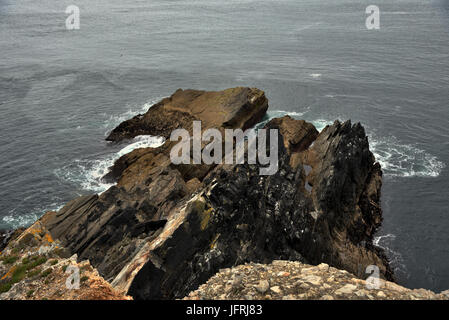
point(62, 91)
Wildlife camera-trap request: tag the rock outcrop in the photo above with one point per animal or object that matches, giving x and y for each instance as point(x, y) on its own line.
point(231, 108)
point(287, 280)
point(164, 229)
point(7, 236)
point(34, 266)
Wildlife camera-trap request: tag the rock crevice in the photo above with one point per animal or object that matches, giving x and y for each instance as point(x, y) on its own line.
point(164, 229)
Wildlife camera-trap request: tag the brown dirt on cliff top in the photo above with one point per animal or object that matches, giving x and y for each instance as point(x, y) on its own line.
point(33, 266)
point(288, 280)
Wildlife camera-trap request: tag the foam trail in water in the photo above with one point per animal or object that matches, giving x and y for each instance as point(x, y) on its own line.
point(142, 142)
point(395, 258)
point(114, 120)
point(15, 220)
point(396, 159)
point(88, 173)
point(403, 160)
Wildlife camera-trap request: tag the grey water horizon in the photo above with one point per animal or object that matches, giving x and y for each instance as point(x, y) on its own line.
point(62, 91)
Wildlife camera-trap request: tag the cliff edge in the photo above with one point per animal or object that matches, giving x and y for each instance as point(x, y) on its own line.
point(292, 280)
point(163, 229)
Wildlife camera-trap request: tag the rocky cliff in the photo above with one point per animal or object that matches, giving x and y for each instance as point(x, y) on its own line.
point(293, 280)
point(164, 229)
point(34, 266)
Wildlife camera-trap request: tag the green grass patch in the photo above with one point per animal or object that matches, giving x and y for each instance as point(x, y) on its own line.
point(19, 274)
point(53, 262)
point(25, 269)
point(33, 273)
point(30, 293)
point(35, 261)
point(5, 287)
point(46, 273)
point(9, 259)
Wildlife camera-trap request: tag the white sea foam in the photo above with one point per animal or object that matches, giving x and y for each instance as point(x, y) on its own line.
point(113, 121)
point(88, 173)
point(277, 114)
point(396, 260)
point(403, 160)
point(397, 159)
point(144, 141)
point(320, 124)
point(96, 169)
point(15, 220)
point(379, 240)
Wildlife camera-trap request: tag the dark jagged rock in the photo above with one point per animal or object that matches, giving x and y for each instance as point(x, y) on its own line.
point(8, 235)
point(106, 229)
point(163, 229)
point(3, 239)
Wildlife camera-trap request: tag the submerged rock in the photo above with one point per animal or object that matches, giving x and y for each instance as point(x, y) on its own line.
point(164, 229)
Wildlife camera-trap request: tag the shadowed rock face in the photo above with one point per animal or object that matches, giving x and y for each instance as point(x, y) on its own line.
point(9, 235)
point(163, 229)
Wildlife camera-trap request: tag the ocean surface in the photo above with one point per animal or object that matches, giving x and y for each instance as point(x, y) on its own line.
point(62, 91)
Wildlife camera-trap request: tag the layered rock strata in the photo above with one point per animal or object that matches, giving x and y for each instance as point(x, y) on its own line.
point(164, 229)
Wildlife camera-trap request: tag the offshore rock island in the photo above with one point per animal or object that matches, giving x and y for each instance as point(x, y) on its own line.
point(164, 230)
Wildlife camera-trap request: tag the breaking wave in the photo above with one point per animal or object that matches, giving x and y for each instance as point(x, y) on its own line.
point(14, 219)
point(88, 173)
point(112, 121)
point(402, 160)
point(277, 114)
